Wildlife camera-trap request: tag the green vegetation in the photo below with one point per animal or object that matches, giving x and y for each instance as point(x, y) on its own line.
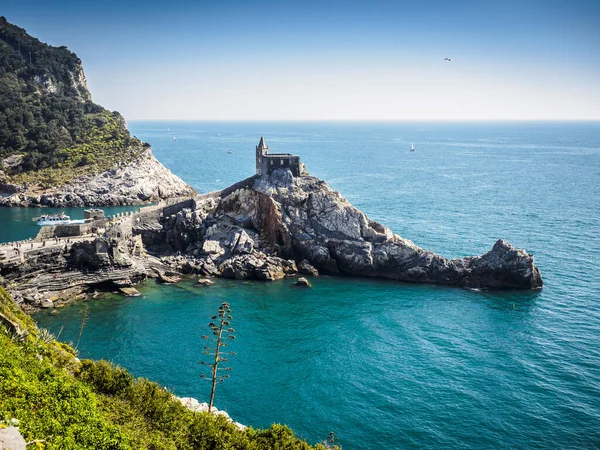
point(48, 122)
point(81, 405)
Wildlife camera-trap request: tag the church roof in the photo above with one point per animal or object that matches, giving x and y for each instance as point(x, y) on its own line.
point(262, 143)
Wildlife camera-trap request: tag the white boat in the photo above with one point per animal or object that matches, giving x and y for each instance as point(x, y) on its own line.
point(412, 147)
point(55, 219)
point(174, 138)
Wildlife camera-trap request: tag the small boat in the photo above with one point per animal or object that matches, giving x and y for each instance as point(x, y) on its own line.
point(229, 151)
point(412, 147)
point(55, 219)
point(174, 138)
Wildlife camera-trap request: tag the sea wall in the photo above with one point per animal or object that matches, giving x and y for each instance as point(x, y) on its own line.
point(69, 230)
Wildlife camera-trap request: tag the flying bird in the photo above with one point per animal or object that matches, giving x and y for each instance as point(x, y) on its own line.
point(448, 59)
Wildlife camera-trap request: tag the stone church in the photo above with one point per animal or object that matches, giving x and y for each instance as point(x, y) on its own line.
point(267, 162)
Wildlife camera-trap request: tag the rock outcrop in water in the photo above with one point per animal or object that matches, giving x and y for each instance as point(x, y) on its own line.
point(58, 272)
point(265, 224)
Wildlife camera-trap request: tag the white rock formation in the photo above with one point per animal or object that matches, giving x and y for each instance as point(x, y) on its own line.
point(196, 406)
point(139, 181)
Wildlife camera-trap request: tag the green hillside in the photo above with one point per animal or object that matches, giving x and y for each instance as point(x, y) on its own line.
point(82, 405)
point(50, 130)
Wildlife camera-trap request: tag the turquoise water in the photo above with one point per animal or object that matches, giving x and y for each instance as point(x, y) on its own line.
point(386, 364)
point(18, 224)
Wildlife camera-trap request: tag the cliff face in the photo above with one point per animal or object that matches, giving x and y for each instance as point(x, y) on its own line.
point(48, 69)
point(56, 142)
point(140, 181)
point(303, 219)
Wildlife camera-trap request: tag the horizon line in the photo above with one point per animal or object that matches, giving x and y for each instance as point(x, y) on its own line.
point(368, 120)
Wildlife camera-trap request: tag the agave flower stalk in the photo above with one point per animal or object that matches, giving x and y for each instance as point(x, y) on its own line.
point(223, 318)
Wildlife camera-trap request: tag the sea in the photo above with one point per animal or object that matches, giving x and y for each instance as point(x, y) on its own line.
point(385, 364)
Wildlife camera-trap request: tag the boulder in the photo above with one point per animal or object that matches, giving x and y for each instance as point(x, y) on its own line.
point(10, 438)
point(302, 282)
point(130, 292)
point(257, 266)
point(46, 303)
point(205, 282)
point(307, 268)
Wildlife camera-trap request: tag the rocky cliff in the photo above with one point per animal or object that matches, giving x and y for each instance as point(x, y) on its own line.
point(60, 271)
point(266, 225)
point(263, 228)
point(142, 180)
point(58, 147)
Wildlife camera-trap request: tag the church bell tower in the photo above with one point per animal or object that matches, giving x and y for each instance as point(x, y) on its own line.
point(261, 149)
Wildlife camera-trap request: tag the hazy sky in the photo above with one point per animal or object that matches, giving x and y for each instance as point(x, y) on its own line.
point(330, 59)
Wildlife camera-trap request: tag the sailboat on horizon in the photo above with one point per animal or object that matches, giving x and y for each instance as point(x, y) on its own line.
point(412, 147)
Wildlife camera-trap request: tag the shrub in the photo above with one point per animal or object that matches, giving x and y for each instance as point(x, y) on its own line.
point(104, 377)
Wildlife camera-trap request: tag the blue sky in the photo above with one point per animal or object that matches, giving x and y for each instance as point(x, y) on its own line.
point(330, 60)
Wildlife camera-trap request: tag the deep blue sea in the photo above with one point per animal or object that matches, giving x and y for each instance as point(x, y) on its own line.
point(388, 365)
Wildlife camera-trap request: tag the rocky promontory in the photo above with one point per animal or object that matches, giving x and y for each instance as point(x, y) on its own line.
point(257, 229)
point(59, 148)
point(263, 228)
point(142, 180)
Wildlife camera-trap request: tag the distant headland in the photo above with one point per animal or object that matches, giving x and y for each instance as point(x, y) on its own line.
point(59, 148)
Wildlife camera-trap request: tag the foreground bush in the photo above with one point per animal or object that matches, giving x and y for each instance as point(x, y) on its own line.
point(93, 404)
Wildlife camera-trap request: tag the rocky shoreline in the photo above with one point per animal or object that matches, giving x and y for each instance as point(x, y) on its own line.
point(144, 180)
point(263, 228)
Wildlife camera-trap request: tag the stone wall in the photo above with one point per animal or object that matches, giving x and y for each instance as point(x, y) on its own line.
point(69, 230)
point(121, 227)
point(173, 208)
point(283, 161)
point(244, 184)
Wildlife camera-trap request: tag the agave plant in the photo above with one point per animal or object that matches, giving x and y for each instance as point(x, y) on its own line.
point(45, 336)
point(17, 334)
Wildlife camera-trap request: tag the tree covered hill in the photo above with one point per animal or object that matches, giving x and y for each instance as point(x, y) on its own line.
point(50, 130)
